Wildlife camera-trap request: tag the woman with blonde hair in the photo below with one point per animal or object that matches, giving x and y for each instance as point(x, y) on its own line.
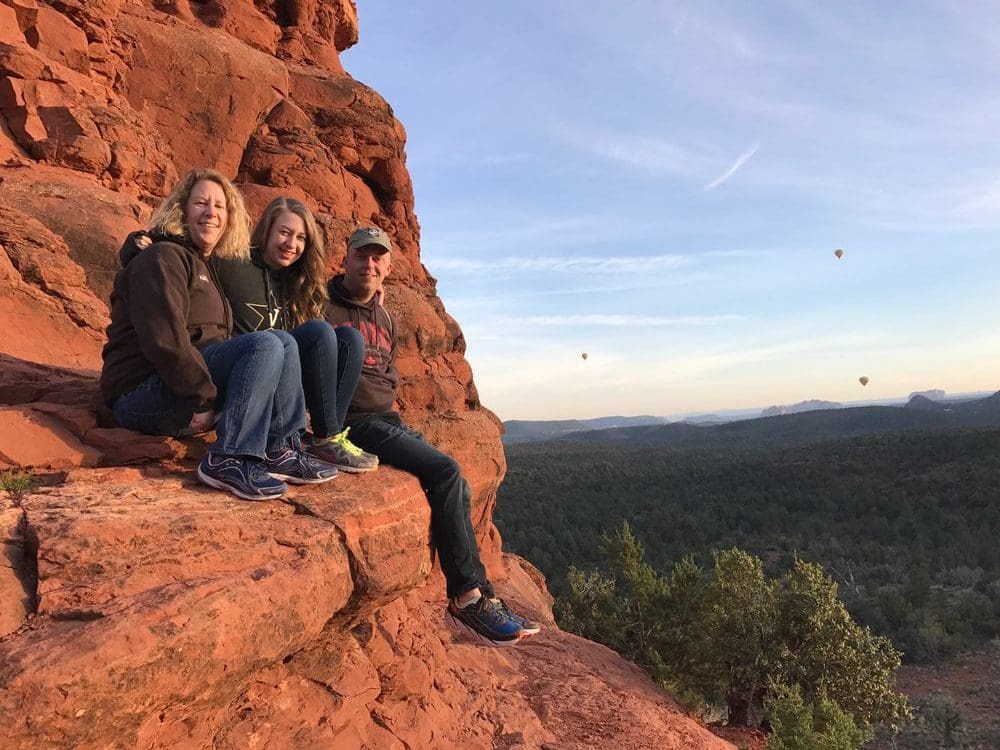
point(171, 366)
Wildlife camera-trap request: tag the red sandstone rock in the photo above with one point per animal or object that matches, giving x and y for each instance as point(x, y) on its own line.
point(170, 615)
point(32, 439)
point(10, 30)
point(56, 37)
point(202, 92)
point(90, 220)
point(16, 581)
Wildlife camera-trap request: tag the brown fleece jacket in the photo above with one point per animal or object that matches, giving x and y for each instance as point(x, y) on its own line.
point(166, 304)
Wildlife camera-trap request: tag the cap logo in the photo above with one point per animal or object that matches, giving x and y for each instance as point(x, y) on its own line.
point(373, 231)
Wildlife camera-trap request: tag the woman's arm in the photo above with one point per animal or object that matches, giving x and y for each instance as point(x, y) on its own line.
point(158, 300)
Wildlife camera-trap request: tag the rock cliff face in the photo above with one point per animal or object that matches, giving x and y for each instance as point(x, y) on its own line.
point(137, 608)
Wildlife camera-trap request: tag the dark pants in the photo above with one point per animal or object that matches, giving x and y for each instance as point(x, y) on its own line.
point(448, 493)
point(331, 365)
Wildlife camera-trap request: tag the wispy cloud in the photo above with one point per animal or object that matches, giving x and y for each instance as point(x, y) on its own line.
point(644, 268)
point(656, 155)
point(650, 153)
point(452, 233)
point(743, 159)
point(981, 204)
point(564, 264)
point(620, 321)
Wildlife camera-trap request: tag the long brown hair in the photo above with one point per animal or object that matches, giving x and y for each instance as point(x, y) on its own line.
point(235, 239)
point(307, 296)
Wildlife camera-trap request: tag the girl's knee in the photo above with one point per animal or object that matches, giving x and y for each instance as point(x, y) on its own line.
point(349, 335)
point(318, 335)
point(265, 345)
point(285, 340)
point(315, 328)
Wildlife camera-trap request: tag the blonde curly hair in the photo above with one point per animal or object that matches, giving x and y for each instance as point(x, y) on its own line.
point(169, 217)
point(308, 295)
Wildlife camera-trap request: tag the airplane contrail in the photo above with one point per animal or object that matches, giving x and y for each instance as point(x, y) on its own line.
point(744, 158)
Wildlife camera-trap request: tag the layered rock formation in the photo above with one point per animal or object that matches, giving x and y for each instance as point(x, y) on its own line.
point(139, 609)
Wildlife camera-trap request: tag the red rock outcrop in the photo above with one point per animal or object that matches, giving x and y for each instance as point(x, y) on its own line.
point(141, 610)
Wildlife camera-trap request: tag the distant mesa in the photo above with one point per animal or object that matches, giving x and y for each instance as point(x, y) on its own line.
point(918, 401)
point(935, 394)
point(704, 419)
point(811, 405)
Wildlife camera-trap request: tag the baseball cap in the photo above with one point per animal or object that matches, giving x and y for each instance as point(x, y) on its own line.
point(368, 236)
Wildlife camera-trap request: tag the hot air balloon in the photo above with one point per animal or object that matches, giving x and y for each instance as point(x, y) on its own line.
point(863, 380)
point(583, 356)
point(839, 252)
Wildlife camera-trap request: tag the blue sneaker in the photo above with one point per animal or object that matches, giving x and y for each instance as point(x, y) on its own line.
point(294, 465)
point(489, 620)
point(530, 627)
point(244, 477)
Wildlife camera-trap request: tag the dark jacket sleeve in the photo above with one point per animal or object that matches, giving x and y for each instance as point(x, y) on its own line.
point(158, 299)
point(130, 248)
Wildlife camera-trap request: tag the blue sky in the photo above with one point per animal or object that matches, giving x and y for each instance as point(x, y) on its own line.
point(663, 185)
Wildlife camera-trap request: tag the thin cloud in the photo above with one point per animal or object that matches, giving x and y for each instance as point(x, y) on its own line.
point(655, 155)
point(744, 158)
point(621, 321)
point(639, 264)
point(651, 154)
point(520, 229)
point(512, 264)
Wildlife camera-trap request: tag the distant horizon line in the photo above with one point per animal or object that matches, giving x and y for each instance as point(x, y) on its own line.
point(680, 416)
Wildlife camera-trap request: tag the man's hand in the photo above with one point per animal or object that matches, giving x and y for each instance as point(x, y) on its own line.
point(201, 421)
point(142, 240)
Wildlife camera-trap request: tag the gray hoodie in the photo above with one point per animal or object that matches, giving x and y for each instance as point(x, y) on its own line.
point(376, 392)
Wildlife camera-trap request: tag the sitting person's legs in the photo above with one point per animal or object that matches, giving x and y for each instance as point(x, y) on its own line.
point(261, 414)
point(284, 457)
point(441, 477)
point(152, 408)
point(472, 600)
point(260, 410)
point(331, 362)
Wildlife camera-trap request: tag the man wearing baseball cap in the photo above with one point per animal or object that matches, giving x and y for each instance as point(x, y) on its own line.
point(356, 300)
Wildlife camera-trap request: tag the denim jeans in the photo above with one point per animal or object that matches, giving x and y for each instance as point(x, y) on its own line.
point(259, 384)
point(448, 493)
point(331, 360)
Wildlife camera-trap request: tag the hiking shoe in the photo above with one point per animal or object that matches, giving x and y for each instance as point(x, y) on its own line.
point(343, 454)
point(294, 465)
point(244, 477)
point(486, 619)
point(530, 627)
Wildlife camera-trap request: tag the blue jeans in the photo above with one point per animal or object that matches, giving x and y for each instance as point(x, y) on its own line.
point(259, 384)
point(331, 360)
point(448, 493)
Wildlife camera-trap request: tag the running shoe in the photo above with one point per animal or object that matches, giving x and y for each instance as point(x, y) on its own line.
point(244, 477)
point(530, 627)
point(342, 453)
point(292, 464)
point(487, 620)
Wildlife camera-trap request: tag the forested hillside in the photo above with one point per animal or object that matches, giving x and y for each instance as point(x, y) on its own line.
point(525, 430)
point(906, 522)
